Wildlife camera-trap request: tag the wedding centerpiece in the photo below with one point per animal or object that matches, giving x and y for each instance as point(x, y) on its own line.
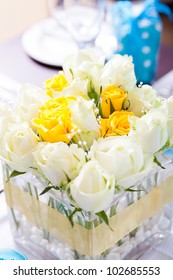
point(83, 159)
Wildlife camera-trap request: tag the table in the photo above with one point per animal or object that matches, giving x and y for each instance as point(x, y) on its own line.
point(19, 68)
point(23, 69)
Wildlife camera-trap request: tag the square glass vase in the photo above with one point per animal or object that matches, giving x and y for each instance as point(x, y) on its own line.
point(42, 224)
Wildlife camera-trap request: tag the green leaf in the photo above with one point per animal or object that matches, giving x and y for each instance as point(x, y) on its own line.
point(111, 108)
point(45, 190)
point(93, 95)
point(118, 188)
point(132, 190)
point(100, 110)
point(102, 215)
point(64, 210)
point(105, 133)
point(165, 147)
point(70, 217)
point(158, 162)
point(126, 104)
point(15, 173)
point(71, 71)
point(49, 188)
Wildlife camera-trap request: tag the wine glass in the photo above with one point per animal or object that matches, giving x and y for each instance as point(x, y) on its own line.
point(80, 18)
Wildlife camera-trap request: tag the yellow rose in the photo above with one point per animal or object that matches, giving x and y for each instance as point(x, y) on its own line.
point(54, 123)
point(117, 124)
point(112, 100)
point(57, 83)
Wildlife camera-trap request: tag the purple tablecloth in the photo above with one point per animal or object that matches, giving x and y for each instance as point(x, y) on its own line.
point(17, 65)
point(165, 63)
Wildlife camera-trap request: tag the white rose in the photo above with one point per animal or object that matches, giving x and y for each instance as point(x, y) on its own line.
point(58, 162)
point(137, 105)
point(119, 71)
point(4, 109)
point(170, 130)
point(7, 117)
point(170, 106)
point(150, 131)
point(123, 158)
point(85, 65)
point(76, 88)
point(29, 101)
point(142, 99)
point(17, 145)
point(93, 188)
point(147, 93)
point(84, 117)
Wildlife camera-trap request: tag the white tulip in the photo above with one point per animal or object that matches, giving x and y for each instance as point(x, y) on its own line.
point(93, 188)
point(123, 158)
point(150, 131)
point(17, 145)
point(119, 71)
point(58, 162)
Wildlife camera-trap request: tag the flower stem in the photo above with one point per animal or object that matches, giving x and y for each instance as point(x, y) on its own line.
point(11, 209)
point(17, 224)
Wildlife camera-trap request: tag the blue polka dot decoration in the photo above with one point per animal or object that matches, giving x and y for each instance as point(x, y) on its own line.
point(137, 28)
point(169, 152)
point(8, 254)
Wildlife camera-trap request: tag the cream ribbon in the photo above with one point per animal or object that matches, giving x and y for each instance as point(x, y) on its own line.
point(93, 241)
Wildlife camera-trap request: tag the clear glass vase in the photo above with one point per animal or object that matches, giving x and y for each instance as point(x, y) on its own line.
point(42, 224)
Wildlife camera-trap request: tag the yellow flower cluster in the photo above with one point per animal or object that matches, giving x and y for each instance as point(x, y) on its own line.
point(115, 119)
point(112, 96)
point(57, 83)
point(54, 123)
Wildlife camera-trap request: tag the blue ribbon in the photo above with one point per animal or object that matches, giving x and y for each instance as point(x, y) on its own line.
point(129, 30)
point(162, 8)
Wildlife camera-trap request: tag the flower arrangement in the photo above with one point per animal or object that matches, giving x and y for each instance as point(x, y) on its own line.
point(91, 133)
point(93, 122)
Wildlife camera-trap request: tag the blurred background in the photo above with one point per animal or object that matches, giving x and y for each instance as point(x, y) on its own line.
point(16, 17)
point(167, 36)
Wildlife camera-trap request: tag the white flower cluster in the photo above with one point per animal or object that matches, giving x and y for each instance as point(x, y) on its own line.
point(92, 166)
